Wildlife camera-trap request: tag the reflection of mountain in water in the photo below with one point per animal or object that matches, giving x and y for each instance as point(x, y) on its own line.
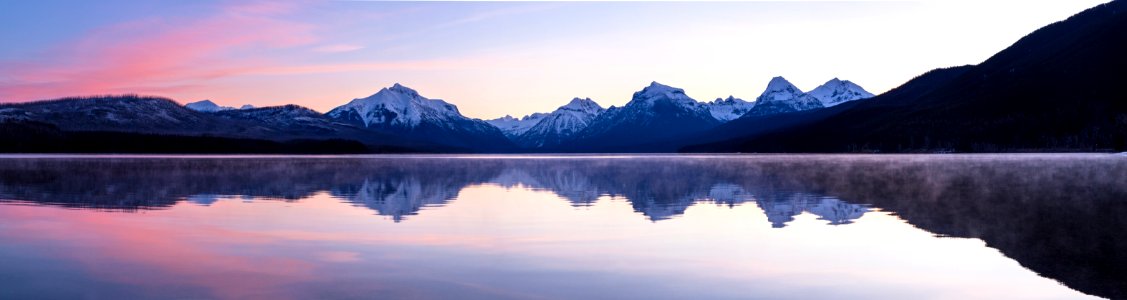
point(397, 198)
point(1059, 216)
point(568, 183)
point(783, 208)
point(401, 187)
point(582, 182)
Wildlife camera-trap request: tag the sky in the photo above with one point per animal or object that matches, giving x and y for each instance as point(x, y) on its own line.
point(490, 58)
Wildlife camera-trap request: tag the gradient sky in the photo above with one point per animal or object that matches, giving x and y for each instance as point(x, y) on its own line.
point(489, 58)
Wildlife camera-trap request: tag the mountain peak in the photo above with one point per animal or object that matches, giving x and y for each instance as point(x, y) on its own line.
point(781, 96)
point(399, 88)
point(727, 109)
point(778, 83)
point(560, 125)
point(657, 91)
point(656, 87)
point(582, 104)
point(206, 106)
point(569, 118)
point(779, 89)
point(397, 105)
point(513, 126)
point(730, 99)
point(837, 91)
point(577, 100)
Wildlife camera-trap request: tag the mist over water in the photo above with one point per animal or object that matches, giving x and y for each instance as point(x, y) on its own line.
point(727, 226)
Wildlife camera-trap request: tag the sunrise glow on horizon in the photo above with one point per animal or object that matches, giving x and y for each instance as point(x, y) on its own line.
point(490, 59)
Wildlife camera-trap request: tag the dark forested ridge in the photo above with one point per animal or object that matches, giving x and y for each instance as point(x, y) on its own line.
point(1057, 89)
point(136, 124)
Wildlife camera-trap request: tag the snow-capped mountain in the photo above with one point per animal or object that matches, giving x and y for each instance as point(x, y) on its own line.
point(398, 107)
point(781, 97)
point(513, 127)
point(402, 110)
point(657, 112)
point(729, 109)
point(837, 91)
point(208, 106)
point(562, 124)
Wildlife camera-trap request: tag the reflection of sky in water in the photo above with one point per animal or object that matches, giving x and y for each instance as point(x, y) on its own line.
point(505, 236)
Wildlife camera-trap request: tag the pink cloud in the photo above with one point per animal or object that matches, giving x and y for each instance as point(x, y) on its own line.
point(338, 48)
point(158, 55)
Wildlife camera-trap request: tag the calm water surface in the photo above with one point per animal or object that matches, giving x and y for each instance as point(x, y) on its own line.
point(589, 227)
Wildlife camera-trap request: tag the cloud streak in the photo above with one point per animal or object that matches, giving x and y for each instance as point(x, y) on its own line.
point(152, 54)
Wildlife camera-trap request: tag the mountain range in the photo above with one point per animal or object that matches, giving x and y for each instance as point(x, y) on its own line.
point(1054, 90)
point(394, 119)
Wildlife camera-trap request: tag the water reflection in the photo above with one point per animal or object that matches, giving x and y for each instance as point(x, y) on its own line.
point(399, 188)
point(1059, 216)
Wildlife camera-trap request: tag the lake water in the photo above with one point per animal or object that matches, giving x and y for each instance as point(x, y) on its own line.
point(572, 227)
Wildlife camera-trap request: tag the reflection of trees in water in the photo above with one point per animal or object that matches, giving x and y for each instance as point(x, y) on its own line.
point(1061, 217)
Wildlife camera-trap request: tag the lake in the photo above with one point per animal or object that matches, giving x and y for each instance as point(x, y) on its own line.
point(1025, 226)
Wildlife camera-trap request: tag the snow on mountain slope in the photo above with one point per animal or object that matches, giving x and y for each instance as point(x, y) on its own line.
point(562, 124)
point(779, 89)
point(656, 113)
point(208, 106)
point(838, 91)
point(781, 97)
point(513, 127)
point(401, 110)
point(729, 109)
point(397, 106)
point(656, 92)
